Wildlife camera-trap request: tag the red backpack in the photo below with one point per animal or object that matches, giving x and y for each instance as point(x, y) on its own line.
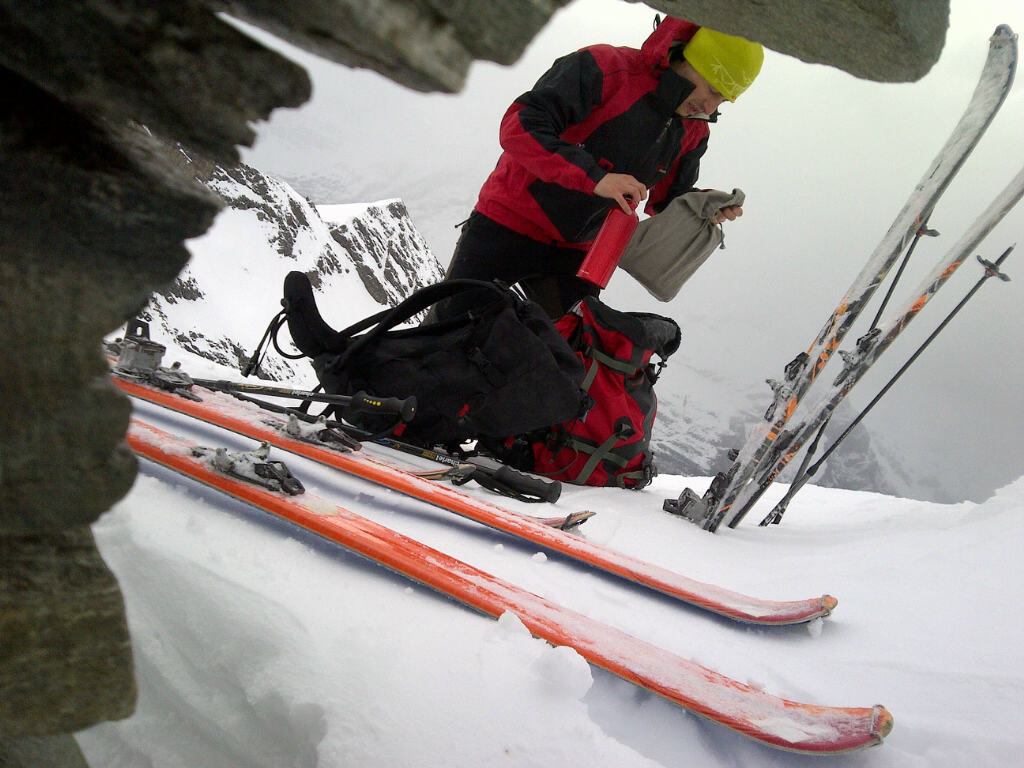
point(610, 444)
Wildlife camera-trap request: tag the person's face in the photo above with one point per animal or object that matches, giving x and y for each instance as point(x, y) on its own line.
point(704, 99)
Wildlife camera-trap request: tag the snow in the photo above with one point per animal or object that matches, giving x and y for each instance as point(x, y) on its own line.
point(259, 645)
point(346, 212)
point(238, 257)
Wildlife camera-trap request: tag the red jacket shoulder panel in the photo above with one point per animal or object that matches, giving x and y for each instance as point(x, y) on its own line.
point(550, 136)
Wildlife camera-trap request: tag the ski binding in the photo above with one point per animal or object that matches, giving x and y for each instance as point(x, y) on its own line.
point(252, 467)
point(139, 358)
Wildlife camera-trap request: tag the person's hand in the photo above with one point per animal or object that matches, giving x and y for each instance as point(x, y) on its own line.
point(730, 212)
point(619, 186)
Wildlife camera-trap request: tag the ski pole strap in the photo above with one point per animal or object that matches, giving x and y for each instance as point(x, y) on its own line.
point(382, 322)
point(262, 347)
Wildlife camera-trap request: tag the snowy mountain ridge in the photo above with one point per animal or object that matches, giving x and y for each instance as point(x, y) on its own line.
point(361, 258)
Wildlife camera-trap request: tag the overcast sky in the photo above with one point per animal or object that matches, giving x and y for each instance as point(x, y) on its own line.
point(826, 161)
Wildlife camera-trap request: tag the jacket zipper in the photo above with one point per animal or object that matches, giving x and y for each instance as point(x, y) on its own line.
point(657, 149)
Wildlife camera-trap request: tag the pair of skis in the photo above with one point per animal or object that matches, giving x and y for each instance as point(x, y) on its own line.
point(221, 410)
point(768, 719)
point(765, 718)
point(771, 445)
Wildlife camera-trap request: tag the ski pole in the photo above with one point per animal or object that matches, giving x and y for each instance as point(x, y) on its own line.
point(812, 449)
point(871, 346)
point(991, 270)
point(405, 408)
point(922, 230)
point(492, 475)
point(739, 481)
point(497, 477)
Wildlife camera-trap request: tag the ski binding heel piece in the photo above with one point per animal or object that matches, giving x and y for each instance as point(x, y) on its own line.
point(319, 433)
point(689, 505)
point(139, 359)
point(139, 355)
point(252, 467)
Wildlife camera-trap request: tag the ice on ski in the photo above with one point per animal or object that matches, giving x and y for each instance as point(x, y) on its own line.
point(786, 729)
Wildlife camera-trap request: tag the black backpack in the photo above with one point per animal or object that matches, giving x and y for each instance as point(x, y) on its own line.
point(499, 370)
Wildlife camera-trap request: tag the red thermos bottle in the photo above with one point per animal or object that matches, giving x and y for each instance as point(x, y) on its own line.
point(607, 248)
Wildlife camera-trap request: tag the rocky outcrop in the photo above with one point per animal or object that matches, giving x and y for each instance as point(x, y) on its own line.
point(387, 251)
point(885, 40)
point(429, 44)
point(93, 218)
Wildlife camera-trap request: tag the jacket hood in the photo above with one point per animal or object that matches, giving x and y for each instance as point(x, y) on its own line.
point(654, 51)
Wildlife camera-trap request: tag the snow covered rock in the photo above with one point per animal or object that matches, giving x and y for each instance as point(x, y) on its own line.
point(360, 257)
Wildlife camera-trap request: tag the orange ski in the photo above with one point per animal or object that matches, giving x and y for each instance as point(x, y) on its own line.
point(771, 720)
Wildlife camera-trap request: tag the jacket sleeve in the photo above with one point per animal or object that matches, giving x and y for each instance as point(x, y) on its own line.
point(532, 127)
point(682, 180)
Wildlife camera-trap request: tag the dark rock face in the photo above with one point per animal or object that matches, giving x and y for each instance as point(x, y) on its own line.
point(387, 252)
point(94, 217)
point(887, 40)
point(427, 45)
point(42, 752)
point(61, 616)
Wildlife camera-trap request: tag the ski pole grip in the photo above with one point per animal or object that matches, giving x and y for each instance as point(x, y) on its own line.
point(546, 490)
point(404, 407)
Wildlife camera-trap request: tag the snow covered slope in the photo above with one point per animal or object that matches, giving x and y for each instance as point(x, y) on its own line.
point(361, 258)
point(258, 645)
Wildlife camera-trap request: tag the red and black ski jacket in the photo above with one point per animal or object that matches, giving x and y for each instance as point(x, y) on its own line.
point(600, 109)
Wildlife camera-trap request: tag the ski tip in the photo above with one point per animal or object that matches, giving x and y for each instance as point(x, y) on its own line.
point(881, 722)
point(576, 519)
point(1003, 35)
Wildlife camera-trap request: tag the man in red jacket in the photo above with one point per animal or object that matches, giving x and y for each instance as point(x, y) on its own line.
point(604, 126)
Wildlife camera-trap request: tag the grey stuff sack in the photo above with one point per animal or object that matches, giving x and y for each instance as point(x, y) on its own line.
point(668, 248)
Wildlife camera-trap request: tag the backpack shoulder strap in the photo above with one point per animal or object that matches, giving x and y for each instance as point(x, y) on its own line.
point(313, 336)
point(377, 325)
point(423, 299)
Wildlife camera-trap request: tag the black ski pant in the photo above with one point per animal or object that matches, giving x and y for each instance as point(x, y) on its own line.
point(489, 251)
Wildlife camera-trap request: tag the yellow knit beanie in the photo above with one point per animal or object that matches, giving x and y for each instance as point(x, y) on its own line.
point(729, 63)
